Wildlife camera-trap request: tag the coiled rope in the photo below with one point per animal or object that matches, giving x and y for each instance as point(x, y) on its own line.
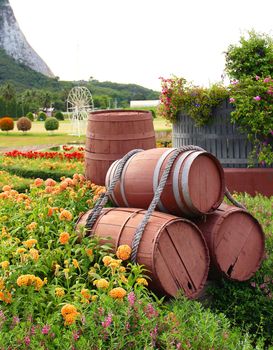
point(117, 175)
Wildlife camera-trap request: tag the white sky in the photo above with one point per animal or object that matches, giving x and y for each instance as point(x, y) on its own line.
point(129, 41)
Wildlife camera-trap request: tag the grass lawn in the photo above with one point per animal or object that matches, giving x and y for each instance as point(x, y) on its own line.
point(39, 136)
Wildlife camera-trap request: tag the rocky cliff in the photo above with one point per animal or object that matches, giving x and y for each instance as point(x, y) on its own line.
point(13, 41)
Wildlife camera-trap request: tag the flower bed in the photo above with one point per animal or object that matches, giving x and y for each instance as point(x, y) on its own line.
point(59, 292)
point(18, 183)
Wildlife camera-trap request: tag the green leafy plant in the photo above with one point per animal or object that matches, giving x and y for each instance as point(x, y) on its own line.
point(41, 116)
point(6, 124)
point(51, 124)
point(253, 113)
point(253, 56)
point(197, 102)
point(23, 124)
point(30, 116)
point(59, 115)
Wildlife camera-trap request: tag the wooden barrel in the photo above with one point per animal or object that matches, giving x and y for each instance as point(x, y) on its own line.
point(113, 133)
point(235, 240)
point(195, 185)
point(172, 249)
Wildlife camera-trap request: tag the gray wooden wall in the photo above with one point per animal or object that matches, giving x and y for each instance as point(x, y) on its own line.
point(220, 138)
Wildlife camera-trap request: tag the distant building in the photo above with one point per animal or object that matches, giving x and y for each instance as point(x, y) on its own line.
point(144, 103)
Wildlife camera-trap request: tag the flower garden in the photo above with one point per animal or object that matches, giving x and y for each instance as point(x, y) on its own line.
point(59, 291)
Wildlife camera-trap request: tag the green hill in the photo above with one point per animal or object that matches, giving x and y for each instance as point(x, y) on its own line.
point(105, 94)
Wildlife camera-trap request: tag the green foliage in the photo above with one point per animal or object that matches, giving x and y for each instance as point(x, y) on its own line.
point(51, 124)
point(30, 116)
point(6, 124)
point(20, 184)
point(253, 101)
point(198, 102)
point(253, 56)
point(41, 116)
point(59, 115)
point(23, 124)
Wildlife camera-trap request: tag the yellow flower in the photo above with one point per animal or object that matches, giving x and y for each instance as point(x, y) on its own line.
point(117, 293)
point(115, 263)
point(30, 243)
point(59, 292)
point(122, 269)
point(20, 250)
point(123, 279)
point(64, 238)
point(94, 297)
point(76, 263)
point(31, 280)
point(101, 283)
point(124, 252)
point(32, 226)
point(106, 260)
point(34, 253)
point(65, 215)
point(142, 281)
point(2, 283)
point(4, 264)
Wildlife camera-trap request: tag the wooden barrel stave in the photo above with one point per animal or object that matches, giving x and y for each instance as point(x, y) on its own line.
point(172, 249)
point(236, 242)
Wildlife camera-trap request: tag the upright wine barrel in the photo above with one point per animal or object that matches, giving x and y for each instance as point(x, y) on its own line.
point(172, 249)
point(113, 133)
point(235, 240)
point(195, 185)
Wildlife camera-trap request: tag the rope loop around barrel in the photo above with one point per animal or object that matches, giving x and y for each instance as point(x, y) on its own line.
point(157, 195)
point(104, 196)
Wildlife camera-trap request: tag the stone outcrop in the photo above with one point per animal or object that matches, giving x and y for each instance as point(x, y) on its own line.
point(13, 41)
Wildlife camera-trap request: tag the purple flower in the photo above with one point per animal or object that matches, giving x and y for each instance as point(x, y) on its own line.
point(231, 100)
point(257, 77)
point(131, 298)
point(271, 132)
point(234, 82)
point(76, 335)
point(27, 340)
point(257, 98)
point(46, 329)
point(253, 284)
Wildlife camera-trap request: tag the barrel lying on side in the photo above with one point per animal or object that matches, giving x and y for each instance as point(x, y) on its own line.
point(172, 249)
point(195, 185)
point(113, 133)
point(235, 240)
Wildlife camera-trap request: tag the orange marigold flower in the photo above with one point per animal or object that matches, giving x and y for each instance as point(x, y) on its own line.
point(20, 250)
point(32, 226)
point(49, 189)
point(34, 253)
point(6, 188)
point(89, 251)
point(59, 292)
point(64, 237)
point(38, 182)
point(142, 281)
point(65, 215)
point(50, 182)
point(70, 319)
point(4, 264)
point(117, 293)
point(124, 252)
point(5, 296)
point(76, 263)
point(101, 283)
point(68, 309)
point(106, 260)
point(30, 243)
point(86, 294)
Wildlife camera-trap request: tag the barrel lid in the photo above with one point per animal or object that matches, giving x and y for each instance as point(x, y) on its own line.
point(181, 259)
point(238, 244)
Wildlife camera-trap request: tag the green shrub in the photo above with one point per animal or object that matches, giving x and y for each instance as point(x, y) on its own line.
point(253, 56)
point(30, 116)
point(23, 124)
point(6, 124)
point(41, 116)
point(51, 124)
point(59, 115)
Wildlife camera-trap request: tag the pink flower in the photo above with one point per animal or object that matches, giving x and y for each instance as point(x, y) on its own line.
point(27, 340)
point(231, 100)
point(131, 298)
point(257, 77)
point(267, 80)
point(46, 329)
point(107, 321)
point(234, 82)
point(253, 284)
point(257, 98)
